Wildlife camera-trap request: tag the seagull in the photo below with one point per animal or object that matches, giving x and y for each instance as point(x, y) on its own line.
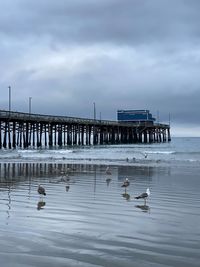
point(125, 184)
point(144, 195)
point(108, 171)
point(41, 190)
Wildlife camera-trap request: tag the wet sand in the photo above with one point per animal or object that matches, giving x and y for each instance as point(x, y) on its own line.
point(88, 219)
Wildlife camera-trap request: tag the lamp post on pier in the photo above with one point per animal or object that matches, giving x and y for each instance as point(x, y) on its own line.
point(94, 111)
point(30, 99)
point(9, 97)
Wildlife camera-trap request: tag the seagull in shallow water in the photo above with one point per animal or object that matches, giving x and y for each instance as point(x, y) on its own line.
point(144, 195)
point(108, 172)
point(126, 183)
point(41, 190)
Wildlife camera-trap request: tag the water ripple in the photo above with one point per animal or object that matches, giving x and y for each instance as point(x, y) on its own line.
point(96, 224)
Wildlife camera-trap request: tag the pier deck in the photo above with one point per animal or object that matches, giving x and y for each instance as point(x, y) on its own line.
point(19, 129)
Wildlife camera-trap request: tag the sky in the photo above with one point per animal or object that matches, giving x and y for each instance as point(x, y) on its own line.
point(70, 56)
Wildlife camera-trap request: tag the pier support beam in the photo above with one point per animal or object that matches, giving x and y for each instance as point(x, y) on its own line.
point(50, 135)
point(20, 129)
point(60, 135)
point(0, 136)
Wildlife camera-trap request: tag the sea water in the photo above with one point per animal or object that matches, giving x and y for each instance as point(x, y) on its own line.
point(88, 219)
point(178, 151)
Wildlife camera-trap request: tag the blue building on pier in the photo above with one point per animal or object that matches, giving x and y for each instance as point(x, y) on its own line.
point(135, 116)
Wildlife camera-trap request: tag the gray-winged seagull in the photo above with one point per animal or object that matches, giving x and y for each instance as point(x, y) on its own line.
point(144, 195)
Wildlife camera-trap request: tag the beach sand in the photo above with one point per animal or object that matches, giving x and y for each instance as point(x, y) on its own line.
point(88, 219)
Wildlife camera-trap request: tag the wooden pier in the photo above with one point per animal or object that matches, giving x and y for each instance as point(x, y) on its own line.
point(25, 130)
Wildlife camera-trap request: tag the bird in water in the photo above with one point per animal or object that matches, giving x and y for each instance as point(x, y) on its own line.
point(125, 184)
point(41, 190)
point(108, 172)
point(144, 195)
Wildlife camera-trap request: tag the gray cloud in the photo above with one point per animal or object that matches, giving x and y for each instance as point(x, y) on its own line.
point(119, 54)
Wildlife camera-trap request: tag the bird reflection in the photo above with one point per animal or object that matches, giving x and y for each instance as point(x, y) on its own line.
point(126, 196)
point(144, 208)
point(40, 205)
point(65, 179)
point(67, 188)
point(108, 180)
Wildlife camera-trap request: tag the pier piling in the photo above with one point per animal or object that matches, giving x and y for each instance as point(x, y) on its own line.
point(29, 130)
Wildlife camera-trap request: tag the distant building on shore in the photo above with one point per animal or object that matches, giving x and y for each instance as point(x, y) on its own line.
point(135, 116)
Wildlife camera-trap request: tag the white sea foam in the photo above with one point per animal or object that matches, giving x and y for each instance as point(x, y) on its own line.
point(160, 152)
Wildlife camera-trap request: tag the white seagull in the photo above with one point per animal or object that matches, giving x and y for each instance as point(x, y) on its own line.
point(125, 184)
point(144, 195)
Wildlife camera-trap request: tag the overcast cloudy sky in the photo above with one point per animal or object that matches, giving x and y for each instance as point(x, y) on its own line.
point(130, 54)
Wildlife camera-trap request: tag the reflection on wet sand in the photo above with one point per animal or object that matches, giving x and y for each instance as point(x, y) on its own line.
point(108, 180)
point(67, 188)
point(40, 205)
point(103, 224)
point(144, 208)
point(126, 196)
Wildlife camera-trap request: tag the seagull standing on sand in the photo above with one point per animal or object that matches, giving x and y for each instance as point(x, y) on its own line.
point(144, 195)
point(108, 171)
point(126, 183)
point(41, 190)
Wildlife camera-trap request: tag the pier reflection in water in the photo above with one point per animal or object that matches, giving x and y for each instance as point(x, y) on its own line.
point(85, 221)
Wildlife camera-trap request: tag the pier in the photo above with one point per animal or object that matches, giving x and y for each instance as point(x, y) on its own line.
point(25, 130)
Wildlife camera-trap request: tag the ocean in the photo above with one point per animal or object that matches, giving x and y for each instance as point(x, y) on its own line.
point(88, 219)
point(178, 151)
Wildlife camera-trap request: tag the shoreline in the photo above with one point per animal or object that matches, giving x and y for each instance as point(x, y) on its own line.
point(93, 217)
point(108, 162)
